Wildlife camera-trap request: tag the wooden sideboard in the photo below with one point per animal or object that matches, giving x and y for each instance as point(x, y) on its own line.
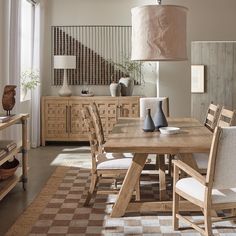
point(62, 121)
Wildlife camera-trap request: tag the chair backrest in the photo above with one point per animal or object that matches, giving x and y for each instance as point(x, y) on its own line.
point(212, 116)
point(226, 118)
point(88, 121)
point(93, 110)
point(152, 102)
point(221, 167)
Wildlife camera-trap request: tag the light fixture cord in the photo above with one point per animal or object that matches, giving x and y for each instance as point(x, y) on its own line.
point(159, 2)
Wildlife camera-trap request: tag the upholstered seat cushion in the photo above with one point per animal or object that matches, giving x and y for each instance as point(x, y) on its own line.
point(120, 163)
point(111, 155)
point(201, 160)
point(195, 189)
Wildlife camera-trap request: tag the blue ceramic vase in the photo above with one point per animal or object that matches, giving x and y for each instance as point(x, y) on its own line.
point(159, 118)
point(148, 124)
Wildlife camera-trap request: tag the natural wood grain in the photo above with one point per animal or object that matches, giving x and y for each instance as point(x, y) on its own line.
point(219, 59)
point(62, 120)
point(128, 136)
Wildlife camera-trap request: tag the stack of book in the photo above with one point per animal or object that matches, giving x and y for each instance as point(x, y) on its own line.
point(7, 145)
point(4, 118)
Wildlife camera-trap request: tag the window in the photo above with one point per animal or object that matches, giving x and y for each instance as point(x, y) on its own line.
point(27, 35)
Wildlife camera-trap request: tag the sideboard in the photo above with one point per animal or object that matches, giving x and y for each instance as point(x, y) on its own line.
point(61, 118)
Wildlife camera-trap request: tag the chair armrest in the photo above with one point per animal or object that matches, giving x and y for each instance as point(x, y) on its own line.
point(190, 171)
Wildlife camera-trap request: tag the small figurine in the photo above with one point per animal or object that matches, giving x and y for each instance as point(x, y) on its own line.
point(8, 98)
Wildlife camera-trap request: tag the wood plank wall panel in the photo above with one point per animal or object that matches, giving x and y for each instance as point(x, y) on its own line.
point(219, 59)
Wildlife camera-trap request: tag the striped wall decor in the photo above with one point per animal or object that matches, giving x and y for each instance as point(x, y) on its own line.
point(95, 47)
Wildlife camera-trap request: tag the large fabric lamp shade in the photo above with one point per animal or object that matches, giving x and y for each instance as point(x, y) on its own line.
point(64, 62)
point(159, 33)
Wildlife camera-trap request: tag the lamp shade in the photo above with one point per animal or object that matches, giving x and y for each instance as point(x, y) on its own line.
point(64, 62)
point(159, 33)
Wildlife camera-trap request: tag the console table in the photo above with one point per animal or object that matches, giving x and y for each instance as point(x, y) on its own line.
point(21, 173)
point(62, 120)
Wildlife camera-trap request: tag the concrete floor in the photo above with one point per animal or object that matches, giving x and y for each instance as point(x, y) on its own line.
point(42, 162)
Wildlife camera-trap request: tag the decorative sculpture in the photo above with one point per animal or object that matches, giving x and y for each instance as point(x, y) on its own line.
point(8, 98)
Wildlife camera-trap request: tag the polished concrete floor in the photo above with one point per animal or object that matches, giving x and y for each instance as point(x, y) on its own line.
point(42, 162)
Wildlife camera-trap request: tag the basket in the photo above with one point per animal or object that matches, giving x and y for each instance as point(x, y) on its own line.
point(8, 169)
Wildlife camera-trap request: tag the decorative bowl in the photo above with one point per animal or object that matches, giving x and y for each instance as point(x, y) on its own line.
point(169, 130)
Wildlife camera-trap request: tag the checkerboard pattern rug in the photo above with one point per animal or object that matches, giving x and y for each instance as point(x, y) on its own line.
point(64, 213)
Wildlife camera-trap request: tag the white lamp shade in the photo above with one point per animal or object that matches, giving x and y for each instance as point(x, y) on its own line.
point(64, 62)
point(159, 33)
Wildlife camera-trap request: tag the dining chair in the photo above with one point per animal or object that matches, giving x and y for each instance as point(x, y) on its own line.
point(216, 190)
point(152, 103)
point(225, 119)
point(104, 165)
point(212, 116)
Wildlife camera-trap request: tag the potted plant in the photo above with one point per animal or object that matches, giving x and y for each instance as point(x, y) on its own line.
point(132, 70)
point(29, 80)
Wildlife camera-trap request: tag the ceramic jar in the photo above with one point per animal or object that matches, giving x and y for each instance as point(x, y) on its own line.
point(127, 86)
point(115, 89)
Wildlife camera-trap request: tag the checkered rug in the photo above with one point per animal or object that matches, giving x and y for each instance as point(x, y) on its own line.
point(64, 213)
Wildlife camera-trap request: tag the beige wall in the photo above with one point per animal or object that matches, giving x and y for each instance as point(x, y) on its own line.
point(90, 12)
point(207, 20)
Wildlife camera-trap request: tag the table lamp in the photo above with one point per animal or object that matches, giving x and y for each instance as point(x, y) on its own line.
point(64, 62)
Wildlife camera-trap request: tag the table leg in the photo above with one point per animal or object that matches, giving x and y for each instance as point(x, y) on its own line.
point(162, 177)
point(129, 183)
point(24, 152)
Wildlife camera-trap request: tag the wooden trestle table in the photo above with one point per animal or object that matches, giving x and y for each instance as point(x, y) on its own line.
point(128, 136)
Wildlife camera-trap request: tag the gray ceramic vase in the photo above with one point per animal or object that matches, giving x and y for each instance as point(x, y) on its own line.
point(159, 117)
point(127, 86)
point(148, 124)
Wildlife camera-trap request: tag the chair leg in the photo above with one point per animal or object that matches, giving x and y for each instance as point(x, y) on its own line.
point(137, 191)
point(175, 211)
point(208, 223)
point(93, 183)
point(233, 212)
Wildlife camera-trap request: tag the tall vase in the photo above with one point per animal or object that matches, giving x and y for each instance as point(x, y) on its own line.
point(115, 89)
point(159, 117)
point(148, 124)
point(127, 86)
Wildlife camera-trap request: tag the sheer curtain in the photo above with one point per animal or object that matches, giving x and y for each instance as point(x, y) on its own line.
point(36, 93)
point(11, 56)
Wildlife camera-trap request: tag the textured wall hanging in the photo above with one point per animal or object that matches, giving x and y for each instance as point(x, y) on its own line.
point(96, 48)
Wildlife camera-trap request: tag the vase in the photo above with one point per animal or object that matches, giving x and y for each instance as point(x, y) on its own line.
point(115, 89)
point(127, 86)
point(148, 124)
point(159, 117)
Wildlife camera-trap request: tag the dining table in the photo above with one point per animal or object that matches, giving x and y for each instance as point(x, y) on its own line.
point(128, 136)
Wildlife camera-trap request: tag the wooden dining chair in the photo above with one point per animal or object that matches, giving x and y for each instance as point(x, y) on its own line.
point(104, 165)
point(225, 119)
point(212, 116)
point(216, 190)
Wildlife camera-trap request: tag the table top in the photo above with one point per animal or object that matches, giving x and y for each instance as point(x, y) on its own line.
point(128, 136)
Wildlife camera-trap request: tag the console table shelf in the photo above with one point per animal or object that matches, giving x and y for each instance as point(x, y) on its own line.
point(21, 173)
